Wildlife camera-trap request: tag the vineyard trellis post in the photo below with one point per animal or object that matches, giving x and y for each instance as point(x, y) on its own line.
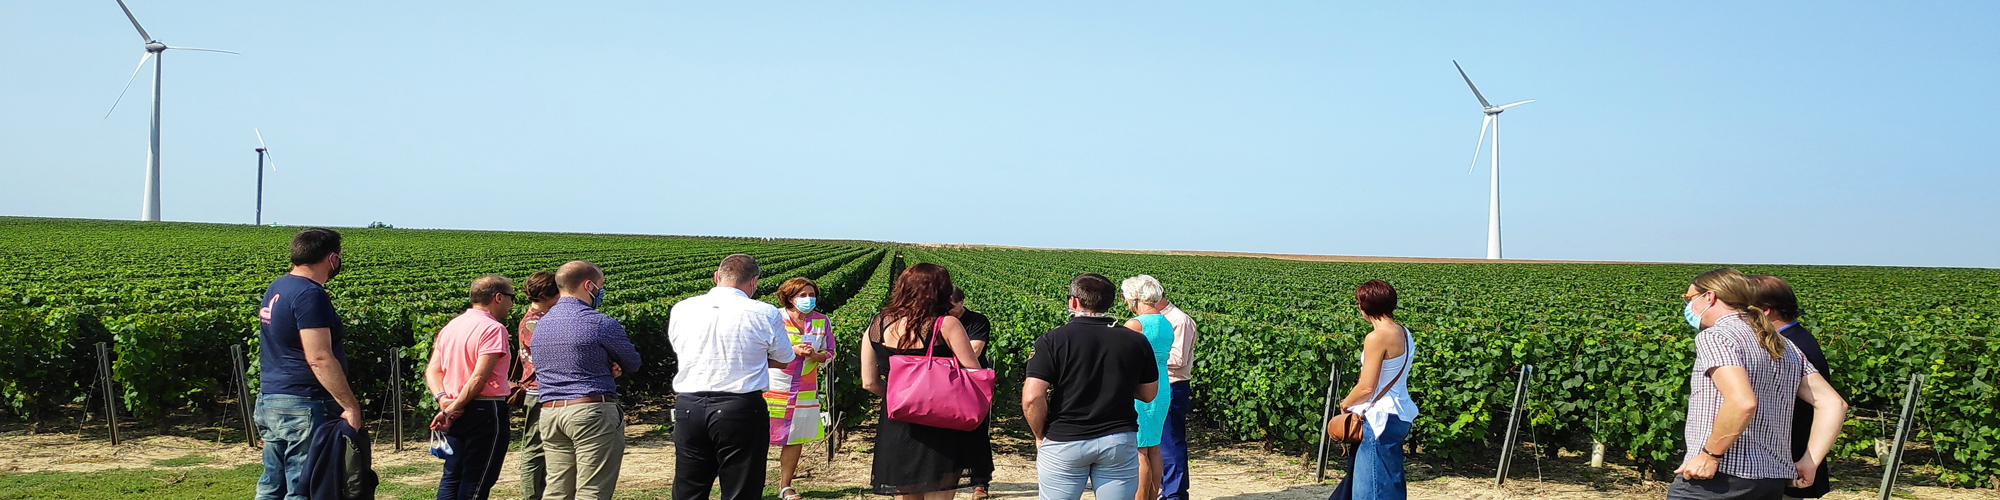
point(1513, 418)
point(1895, 460)
point(1325, 415)
point(243, 404)
point(110, 395)
point(396, 397)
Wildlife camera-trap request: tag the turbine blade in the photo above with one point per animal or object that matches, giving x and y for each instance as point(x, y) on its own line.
point(128, 83)
point(135, 22)
point(266, 150)
point(204, 50)
point(1482, 143)
point(1468, 83)
point(1505, 106)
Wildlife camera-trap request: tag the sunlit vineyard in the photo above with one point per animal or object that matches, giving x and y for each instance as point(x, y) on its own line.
point(1610, 350)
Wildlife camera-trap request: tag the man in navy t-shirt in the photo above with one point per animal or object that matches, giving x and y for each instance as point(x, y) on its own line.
point(302, 364)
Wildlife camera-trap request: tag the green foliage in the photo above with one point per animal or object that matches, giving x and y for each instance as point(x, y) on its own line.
point(1611, 355)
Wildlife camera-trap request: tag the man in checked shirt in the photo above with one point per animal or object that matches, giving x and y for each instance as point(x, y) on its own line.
point(578, 353)
point(1739, 418)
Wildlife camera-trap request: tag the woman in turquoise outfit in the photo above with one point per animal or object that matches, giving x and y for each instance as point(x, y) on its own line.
point(1145, 297)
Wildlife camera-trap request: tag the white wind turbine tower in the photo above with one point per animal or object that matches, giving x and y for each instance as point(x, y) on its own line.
point(150, 206)
point(263, 156)
point(1492, 120)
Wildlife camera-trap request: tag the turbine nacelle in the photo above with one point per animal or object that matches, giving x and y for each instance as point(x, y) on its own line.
point(156, 47)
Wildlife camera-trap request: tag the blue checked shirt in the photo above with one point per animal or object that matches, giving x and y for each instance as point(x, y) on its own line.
point(574, 348)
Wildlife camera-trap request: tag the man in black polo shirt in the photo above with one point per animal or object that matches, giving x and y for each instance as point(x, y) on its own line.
point(1082, 380)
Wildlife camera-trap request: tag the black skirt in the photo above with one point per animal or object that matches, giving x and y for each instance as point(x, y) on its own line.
point(912, 458)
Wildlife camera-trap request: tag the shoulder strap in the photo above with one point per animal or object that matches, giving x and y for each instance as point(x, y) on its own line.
point(1409, 357)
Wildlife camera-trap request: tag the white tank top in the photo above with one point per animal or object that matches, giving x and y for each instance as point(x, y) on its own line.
point(1396, 400)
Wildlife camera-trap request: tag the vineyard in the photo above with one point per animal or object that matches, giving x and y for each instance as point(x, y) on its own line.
point(1609, 349)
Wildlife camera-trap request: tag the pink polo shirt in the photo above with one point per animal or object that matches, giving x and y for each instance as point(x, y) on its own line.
point(459, 345)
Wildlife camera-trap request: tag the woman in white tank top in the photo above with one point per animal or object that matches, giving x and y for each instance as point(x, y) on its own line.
point(1381, 395)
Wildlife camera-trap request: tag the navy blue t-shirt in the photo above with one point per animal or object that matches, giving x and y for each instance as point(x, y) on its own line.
point(293, 303)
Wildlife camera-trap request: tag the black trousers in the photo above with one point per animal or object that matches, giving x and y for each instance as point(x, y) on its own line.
point(1726, 487)
point(479, 444)
point(720, 435)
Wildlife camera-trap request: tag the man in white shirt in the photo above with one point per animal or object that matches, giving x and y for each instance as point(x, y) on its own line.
point(1173, 438)
point(724, 340)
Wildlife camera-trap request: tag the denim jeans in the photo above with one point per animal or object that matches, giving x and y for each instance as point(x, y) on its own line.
point(1109, 464)
point(1378, 462)
point(285, 423)
point(478, 441)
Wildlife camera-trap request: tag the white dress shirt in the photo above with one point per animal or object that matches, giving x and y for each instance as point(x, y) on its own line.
point(723, 341)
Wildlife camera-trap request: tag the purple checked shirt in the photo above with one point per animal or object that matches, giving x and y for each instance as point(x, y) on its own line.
point(574, 347)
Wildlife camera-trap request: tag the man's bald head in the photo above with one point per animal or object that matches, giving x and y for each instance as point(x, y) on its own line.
point(570, 277)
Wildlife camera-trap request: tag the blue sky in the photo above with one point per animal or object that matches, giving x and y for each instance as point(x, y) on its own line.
point(1820, 133)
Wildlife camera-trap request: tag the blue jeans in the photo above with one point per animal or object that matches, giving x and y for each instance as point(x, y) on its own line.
point(1110, 465)
point(285, 423)
point(1378, 462)
point(1173, 444)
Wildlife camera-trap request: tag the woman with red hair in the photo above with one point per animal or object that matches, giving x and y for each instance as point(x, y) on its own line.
point(1381, 396)
point(915, 461)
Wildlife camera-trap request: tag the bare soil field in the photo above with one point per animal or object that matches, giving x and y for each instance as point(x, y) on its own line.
point(1222, 469)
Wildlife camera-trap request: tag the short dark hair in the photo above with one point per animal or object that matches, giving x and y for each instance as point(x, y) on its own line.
point(540, 286)
point(1376, 298)
point(957, 294)
point(489, 287)
point(313, 245)
point(737, 268)
point(1775, 295)
point(1092, 291)
point(572, 275)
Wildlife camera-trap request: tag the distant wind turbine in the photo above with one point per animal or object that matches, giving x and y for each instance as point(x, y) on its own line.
point(1492, 120)
point(150, 205)
point(263, 155)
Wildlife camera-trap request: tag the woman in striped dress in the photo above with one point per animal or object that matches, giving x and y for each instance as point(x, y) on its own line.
point(793, 396)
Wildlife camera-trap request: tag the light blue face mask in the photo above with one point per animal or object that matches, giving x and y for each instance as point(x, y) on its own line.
point(805, 304)
point(1687, 312)
point(597, 298)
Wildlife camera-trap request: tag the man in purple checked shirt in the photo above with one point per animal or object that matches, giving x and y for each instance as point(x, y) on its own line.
point(578, 354)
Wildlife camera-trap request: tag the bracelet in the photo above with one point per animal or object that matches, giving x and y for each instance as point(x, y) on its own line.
point(1718, 456)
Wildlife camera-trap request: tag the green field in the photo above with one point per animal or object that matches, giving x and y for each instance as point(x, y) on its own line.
point(1610, 350)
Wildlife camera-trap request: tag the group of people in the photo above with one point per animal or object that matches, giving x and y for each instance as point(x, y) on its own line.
point(747, 381)
point(1105, 400)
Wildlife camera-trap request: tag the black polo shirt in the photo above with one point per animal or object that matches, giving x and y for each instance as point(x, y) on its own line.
point(1093, 365)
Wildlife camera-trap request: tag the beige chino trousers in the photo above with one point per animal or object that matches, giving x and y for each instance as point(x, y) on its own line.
point(583, 445)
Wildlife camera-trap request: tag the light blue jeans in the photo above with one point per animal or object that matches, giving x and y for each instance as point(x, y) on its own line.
point(285, 423)
point(1109, 464)
point(1378, 462)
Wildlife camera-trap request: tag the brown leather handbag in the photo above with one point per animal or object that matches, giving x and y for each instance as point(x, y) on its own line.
point(1346, 427)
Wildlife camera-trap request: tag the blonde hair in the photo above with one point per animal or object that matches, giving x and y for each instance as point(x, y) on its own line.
point(1143, 289)
point(1732, 287)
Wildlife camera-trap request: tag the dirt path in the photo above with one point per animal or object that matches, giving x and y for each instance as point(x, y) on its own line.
point(1222, 470)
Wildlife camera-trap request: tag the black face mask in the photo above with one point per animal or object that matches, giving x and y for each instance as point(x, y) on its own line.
point(337, 264)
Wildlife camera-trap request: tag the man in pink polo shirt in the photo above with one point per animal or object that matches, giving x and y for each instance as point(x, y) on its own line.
point(468, 377)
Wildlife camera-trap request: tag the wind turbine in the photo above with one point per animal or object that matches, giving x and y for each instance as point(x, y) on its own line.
point(150, 205)
point(263, 154)
point(1492, 120)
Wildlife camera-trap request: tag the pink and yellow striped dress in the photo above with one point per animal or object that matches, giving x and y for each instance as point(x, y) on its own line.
point(794, 394)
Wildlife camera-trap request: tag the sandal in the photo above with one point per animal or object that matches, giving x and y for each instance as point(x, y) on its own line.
point(787, 493)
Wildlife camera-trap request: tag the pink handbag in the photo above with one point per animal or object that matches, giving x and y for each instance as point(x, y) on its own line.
point(925, 390)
